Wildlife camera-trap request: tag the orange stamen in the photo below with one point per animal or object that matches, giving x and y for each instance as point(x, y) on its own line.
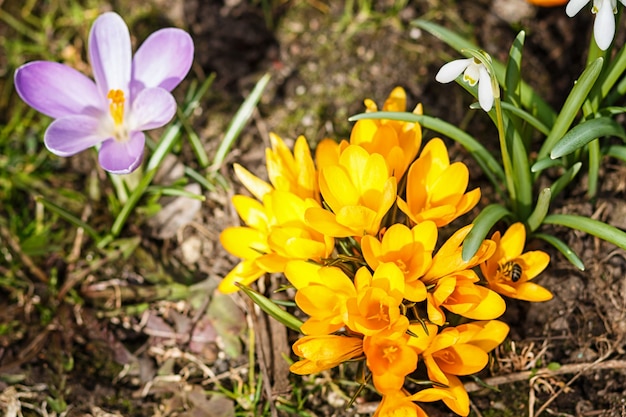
point(117, 105)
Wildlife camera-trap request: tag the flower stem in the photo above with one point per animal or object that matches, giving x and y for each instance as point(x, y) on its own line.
point(506, 159)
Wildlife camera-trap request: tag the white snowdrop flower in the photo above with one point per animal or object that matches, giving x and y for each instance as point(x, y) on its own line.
point(473, 72)
point(604, 26)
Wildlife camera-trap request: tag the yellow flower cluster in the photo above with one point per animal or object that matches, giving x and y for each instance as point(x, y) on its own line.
point(361, 251)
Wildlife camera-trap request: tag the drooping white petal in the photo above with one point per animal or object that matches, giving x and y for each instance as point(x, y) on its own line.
point(485, 89)
point(604, 26)
point(110, 53)
point(574, 6)
point(452, 69)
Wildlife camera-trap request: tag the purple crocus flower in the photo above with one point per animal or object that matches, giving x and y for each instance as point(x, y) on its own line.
point(129, 95)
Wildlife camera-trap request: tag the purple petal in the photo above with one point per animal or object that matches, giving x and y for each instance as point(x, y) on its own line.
point(110, 53)
point(163, 60)
point(57, 90)
point(122, 157)
point(72, 134)
point(152, 108)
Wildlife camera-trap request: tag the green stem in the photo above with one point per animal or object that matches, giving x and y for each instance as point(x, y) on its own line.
point(506, 159)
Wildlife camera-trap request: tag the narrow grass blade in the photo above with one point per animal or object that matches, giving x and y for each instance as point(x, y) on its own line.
point(484, 158)
point(133, 199)
point(572, 105)
point(194, 141)
point(483, 223)
point(175, 192)
point(272, 309)
point(199, 178)
point(562, 247)
point(541, 209)
point(239, 121)
point(69, 217)
point(593, 227)
point(584, 133)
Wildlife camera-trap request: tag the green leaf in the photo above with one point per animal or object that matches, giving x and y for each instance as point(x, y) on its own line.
point(572, 105)
point(565, 179)
point(593, 227)
point(584, 133)
point(513, 78)
point(239, 121)
point(569, 254)
point(69, 217)
point(525, 116)
point(617, 151)
point(521, 174)
point(541, 209)
point(612, 74)
point(545, 163)
point(272, 309)
point(484, 158)
point(483, 223)
point(174, 192)
point(529, 98)
point(595, 157)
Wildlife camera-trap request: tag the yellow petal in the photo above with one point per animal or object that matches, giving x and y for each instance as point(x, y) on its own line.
point(529, 291)
point(491, 333)
point(360, 219)
point(251, 212)
point(490, 307)
point(337, 188)
point(302, 273)
point(460, 402)
point(450, 185)
point(327, 153)
point(245, 273)
point(396, 100)
point(513, 241)
point(534, 263)
point(461, 359)
point(254, 184)
point(244, 242)
point(325, 222)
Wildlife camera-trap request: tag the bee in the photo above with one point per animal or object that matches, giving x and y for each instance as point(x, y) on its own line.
point(512, 270)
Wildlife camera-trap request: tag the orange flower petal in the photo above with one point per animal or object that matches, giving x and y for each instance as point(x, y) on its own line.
point(529, 291)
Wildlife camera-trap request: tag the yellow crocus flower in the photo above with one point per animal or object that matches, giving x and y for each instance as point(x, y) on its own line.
point(435, 189)
point(509, 271)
